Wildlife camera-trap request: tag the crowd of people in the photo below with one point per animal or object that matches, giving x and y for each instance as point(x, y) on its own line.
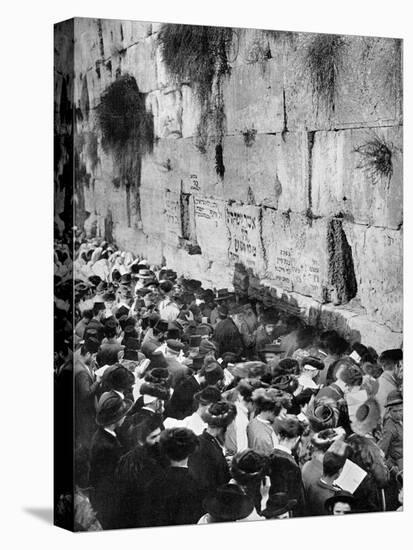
point(196, 405)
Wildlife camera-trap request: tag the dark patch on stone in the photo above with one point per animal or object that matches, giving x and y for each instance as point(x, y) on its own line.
point(341, 272)
point(100, 34)
point(121, 32)
point(249, 136)
point(109, 227)
point(310, 145)
point(109, 66)
point(97, 69)
point(219, 160)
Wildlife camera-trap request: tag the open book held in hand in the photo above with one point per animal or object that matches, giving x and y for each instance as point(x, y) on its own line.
point(350, 477)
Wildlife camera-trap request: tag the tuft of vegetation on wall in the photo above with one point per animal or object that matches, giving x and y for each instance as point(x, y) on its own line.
point(323, 62)
point(376, 159)
point(199, 55)
point(127, 127)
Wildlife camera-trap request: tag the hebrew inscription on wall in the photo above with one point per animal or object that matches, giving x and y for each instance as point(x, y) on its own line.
point(244, 228)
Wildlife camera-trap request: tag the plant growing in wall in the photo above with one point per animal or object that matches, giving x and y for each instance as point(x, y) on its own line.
point(127, 131)
point(199, 55)
point(323, 62)
point(376, 159)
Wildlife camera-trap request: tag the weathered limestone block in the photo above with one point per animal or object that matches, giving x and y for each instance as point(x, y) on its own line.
point(197, 169)
point(191, 112)
point(342, 181)
point(244, 232)
point(167, 112)
point(139, 62)
point(368, 91)
point(378, 336)
point(296, 252)
point(272, 170)
point(211, 231)
point(378, 264)
point(87, 44)
point(253, 98)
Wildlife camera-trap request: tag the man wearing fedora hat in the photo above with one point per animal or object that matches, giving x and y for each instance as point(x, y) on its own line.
point(105, 453)
point(339, 504)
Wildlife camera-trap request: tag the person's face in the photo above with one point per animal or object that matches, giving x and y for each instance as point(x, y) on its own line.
point(396, 412)
point(311, 373)
point(270, 357)
point(269, 328)
point(341, 508)
point(153, 438)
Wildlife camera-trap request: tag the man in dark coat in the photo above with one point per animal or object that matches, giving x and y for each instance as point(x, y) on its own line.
point(86, 387)
point(136, 470)
point(208, 464)
point(181, 403)
point(285, 474)
point(105, 453)
point(174, 497)
point(227, 335)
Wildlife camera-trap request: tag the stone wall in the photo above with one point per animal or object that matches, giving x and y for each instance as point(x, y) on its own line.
point(291, 166)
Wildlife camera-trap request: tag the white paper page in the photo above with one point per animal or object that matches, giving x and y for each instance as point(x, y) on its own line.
point(350, 477)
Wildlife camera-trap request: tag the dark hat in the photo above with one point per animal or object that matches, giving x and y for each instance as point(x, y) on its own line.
point(270, 317)
point(248, 466)
point(268, 398)
point(98, 306)
point(367, 417)
point(151, 282)
point(229, 503)
point(166, 286)
point(195, 340)
point(178, 443)
point(158, 376)
point(94, 280)
point(109, 297)
point(212, 371)
point(175, 345)
point(206, 346)
point(395, 355)
point(139, 266)
point(273, 348)
point(132, 343)
point(395, 397)
point(324, 439)
point(118, 377)
point(288, 365)
point(278, 504)
point(158, 361)
point(197, 362)
point(220, 414)
point(130, 331)
point(111, 408)
point(110, 322)
point(157, 390)
point(246, 386)
point(223, 294)
point(339, 496)
point(92, 345)
point(122, 310)
point(208, 395)
point(313, 362)
point(285, 382)
point(229, 357)
point(222, 310)
point(191, 285)
point(161, 325)
point(322, 414)
point(173, 334)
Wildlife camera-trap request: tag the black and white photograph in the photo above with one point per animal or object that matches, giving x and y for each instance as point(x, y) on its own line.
point(228, 275)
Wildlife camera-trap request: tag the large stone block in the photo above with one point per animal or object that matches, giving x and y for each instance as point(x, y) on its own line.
point(344, 181)
point(378, 264)
point(296, 253)
point(272, 170)
point(253, 98)
point(367, 89)
point(211, 231)
point(191, 112)
point(244, 232)
point(139, 62)
point(87, 45)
